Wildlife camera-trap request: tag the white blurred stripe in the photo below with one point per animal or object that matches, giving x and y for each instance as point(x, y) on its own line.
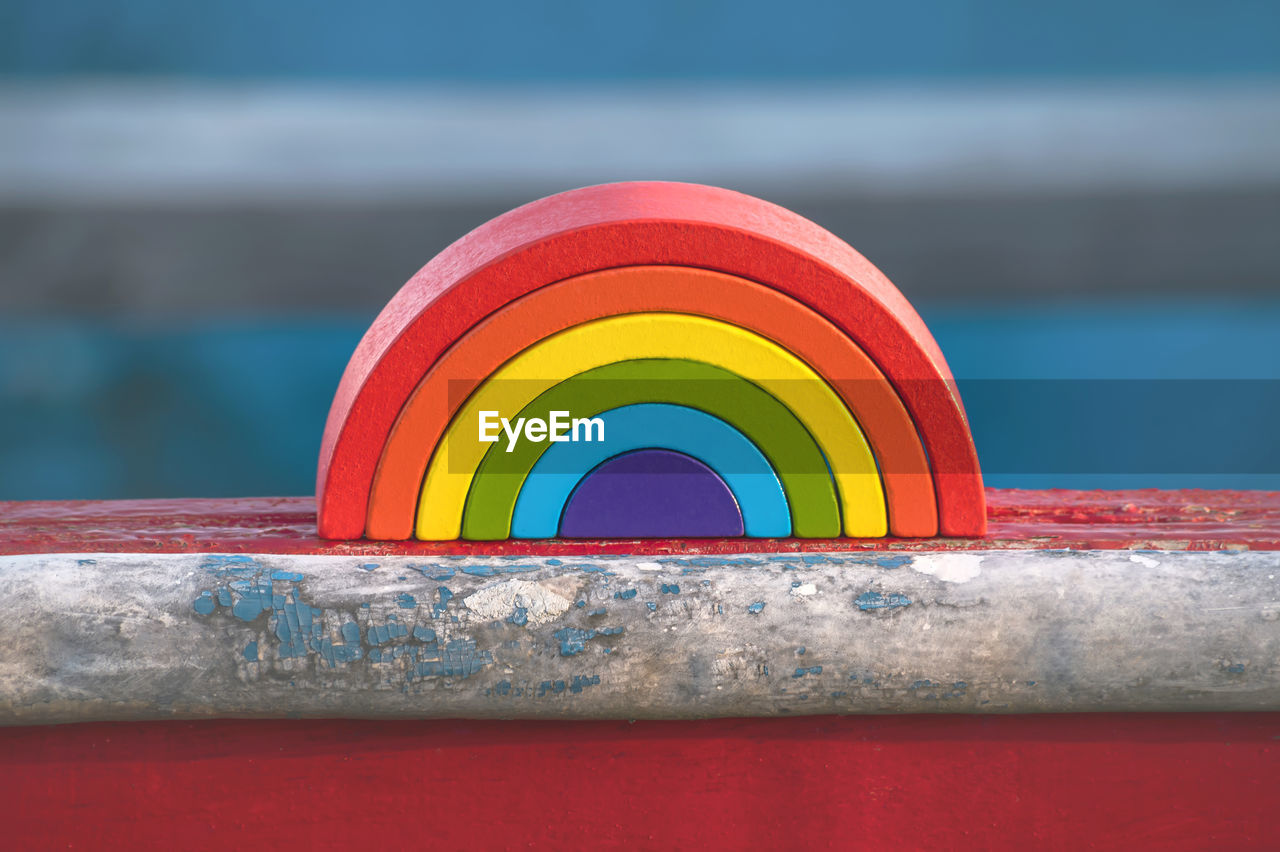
point(145, 142)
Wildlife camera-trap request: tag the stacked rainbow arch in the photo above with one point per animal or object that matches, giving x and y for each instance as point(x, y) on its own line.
point(754, 376)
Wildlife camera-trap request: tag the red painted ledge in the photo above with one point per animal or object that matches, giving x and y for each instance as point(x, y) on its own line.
point(1081, 520)
point(1085, 781)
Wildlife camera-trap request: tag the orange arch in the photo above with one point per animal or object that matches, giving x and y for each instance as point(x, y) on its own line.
point(909, 487)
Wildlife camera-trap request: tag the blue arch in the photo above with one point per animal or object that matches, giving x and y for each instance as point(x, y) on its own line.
point(715, 443)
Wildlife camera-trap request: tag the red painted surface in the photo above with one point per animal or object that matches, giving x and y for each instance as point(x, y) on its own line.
point(1152, 520)
point(907, 782)
point(635, 224)
point(909, 491)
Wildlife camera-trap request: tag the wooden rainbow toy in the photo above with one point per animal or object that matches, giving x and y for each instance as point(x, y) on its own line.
point(741, 370)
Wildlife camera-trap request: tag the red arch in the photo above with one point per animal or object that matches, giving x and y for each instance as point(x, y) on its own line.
point(629, 224)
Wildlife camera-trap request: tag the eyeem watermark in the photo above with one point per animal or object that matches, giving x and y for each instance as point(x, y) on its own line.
point(560, 428)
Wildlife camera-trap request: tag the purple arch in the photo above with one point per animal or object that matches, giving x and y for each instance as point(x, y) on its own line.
point(651, 494)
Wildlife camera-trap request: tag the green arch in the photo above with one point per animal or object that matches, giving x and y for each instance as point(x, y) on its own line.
point(766, 422)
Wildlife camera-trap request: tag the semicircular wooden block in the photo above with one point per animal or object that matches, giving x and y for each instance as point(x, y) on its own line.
point(651, 494)
point(908, 483)
point(631, 224)
point(634, 336)
point(737, 461)
point(767, 423)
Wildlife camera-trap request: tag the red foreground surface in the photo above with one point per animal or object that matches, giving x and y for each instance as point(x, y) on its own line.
point(1103, 781)
point(905, 782)
point(1146, 520)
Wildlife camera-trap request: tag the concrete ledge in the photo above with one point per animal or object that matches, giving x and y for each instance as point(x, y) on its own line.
point(146, 636)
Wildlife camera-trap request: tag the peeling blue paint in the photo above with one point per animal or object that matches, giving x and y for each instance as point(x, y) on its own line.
point(625, 594)
point(385, 633)
point(876, 600)
point(291, 576)
point(250, 652)
point(519, 616)
point(255, 598)
point(333, 654)
point(573, 640)
point(756, 608)
point(882, 560)
point(926, 684)
point(490, 570)
point(801, 671)
point(652, 606)
point(424, 634)
point(86, 562)
point(204, 604)
point(554, 562)
point(670, 589)
point(296, 623)
point(404, 600)
point(800, 650)
point(502, 687)
point(445, 595)
point(437, 572)
point(580, 604)
point(230, 564)
point(580, 682)
point(458, 658)
point(597, 611)
point(369, 566)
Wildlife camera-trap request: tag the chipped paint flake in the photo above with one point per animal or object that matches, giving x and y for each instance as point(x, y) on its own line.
point(496, 602)
point(950, 567)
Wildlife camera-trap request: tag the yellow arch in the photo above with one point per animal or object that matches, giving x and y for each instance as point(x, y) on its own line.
point(654, 335)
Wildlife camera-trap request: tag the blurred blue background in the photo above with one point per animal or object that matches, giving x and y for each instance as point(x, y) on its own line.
point(203, 206)
point(572, 41)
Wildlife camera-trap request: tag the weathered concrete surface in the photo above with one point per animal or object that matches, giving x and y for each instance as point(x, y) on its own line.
point(124, 636)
